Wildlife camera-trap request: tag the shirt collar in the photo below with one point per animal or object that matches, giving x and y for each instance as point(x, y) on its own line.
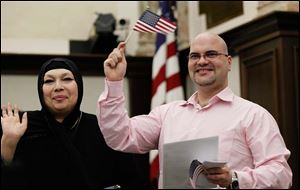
point(225, 95)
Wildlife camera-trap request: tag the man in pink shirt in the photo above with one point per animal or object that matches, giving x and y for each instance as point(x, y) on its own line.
point(249, 138)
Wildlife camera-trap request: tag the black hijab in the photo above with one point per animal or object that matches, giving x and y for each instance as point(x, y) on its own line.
point(61, 63)
point(65, 131)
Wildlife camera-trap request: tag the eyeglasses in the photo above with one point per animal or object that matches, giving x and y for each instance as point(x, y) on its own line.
point(209, 56)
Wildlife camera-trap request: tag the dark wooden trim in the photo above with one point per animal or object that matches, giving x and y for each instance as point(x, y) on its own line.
point(89, 64)
point(263, 28)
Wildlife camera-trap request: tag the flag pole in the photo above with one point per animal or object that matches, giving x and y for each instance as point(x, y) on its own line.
point(129, 36)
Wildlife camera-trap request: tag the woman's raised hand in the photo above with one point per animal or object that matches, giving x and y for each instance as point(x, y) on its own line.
point(13, 129)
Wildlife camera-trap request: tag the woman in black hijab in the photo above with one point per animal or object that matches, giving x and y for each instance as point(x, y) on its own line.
point(60, 146)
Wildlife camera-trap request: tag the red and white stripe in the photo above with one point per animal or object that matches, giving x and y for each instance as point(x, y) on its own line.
point(166, 85)
point(166, 82)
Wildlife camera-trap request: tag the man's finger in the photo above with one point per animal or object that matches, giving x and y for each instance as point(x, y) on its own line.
point(121, 45)
point(110, 63)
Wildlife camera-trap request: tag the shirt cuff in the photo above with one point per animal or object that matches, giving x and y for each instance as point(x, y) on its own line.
point(114, 88)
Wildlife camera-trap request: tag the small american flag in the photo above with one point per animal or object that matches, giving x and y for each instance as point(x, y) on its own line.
point(151, 22)
point(196, 168)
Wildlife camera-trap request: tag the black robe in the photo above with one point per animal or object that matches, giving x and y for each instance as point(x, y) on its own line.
point(51, 155)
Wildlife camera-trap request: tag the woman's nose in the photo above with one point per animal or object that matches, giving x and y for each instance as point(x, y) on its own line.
point(58, 85)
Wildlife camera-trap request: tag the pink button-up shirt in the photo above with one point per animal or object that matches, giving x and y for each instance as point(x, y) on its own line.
point(249, 137)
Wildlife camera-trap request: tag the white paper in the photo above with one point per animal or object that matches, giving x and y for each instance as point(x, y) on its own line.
point(177, 158)
point(214, 164)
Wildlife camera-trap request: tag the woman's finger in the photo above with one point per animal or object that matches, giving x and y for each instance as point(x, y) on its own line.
point(9, 110)
point(4, 111)
point(16, 110)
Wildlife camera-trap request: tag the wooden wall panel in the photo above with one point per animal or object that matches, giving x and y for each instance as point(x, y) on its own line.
point(268, 50)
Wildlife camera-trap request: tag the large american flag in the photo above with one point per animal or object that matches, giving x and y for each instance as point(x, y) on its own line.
point(166, 82)
point(151, 22)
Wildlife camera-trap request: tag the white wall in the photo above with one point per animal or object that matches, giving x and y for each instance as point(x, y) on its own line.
point(35, 46)
point(234, 76)
point(20, 90)
point(93, 86)
point(51, 19)
point(57, 21)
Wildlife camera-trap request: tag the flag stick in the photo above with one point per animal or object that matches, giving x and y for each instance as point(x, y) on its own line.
point(129, 36)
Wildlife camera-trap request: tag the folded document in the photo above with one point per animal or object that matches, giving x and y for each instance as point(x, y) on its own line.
point(181, 171)
point(197, 173)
